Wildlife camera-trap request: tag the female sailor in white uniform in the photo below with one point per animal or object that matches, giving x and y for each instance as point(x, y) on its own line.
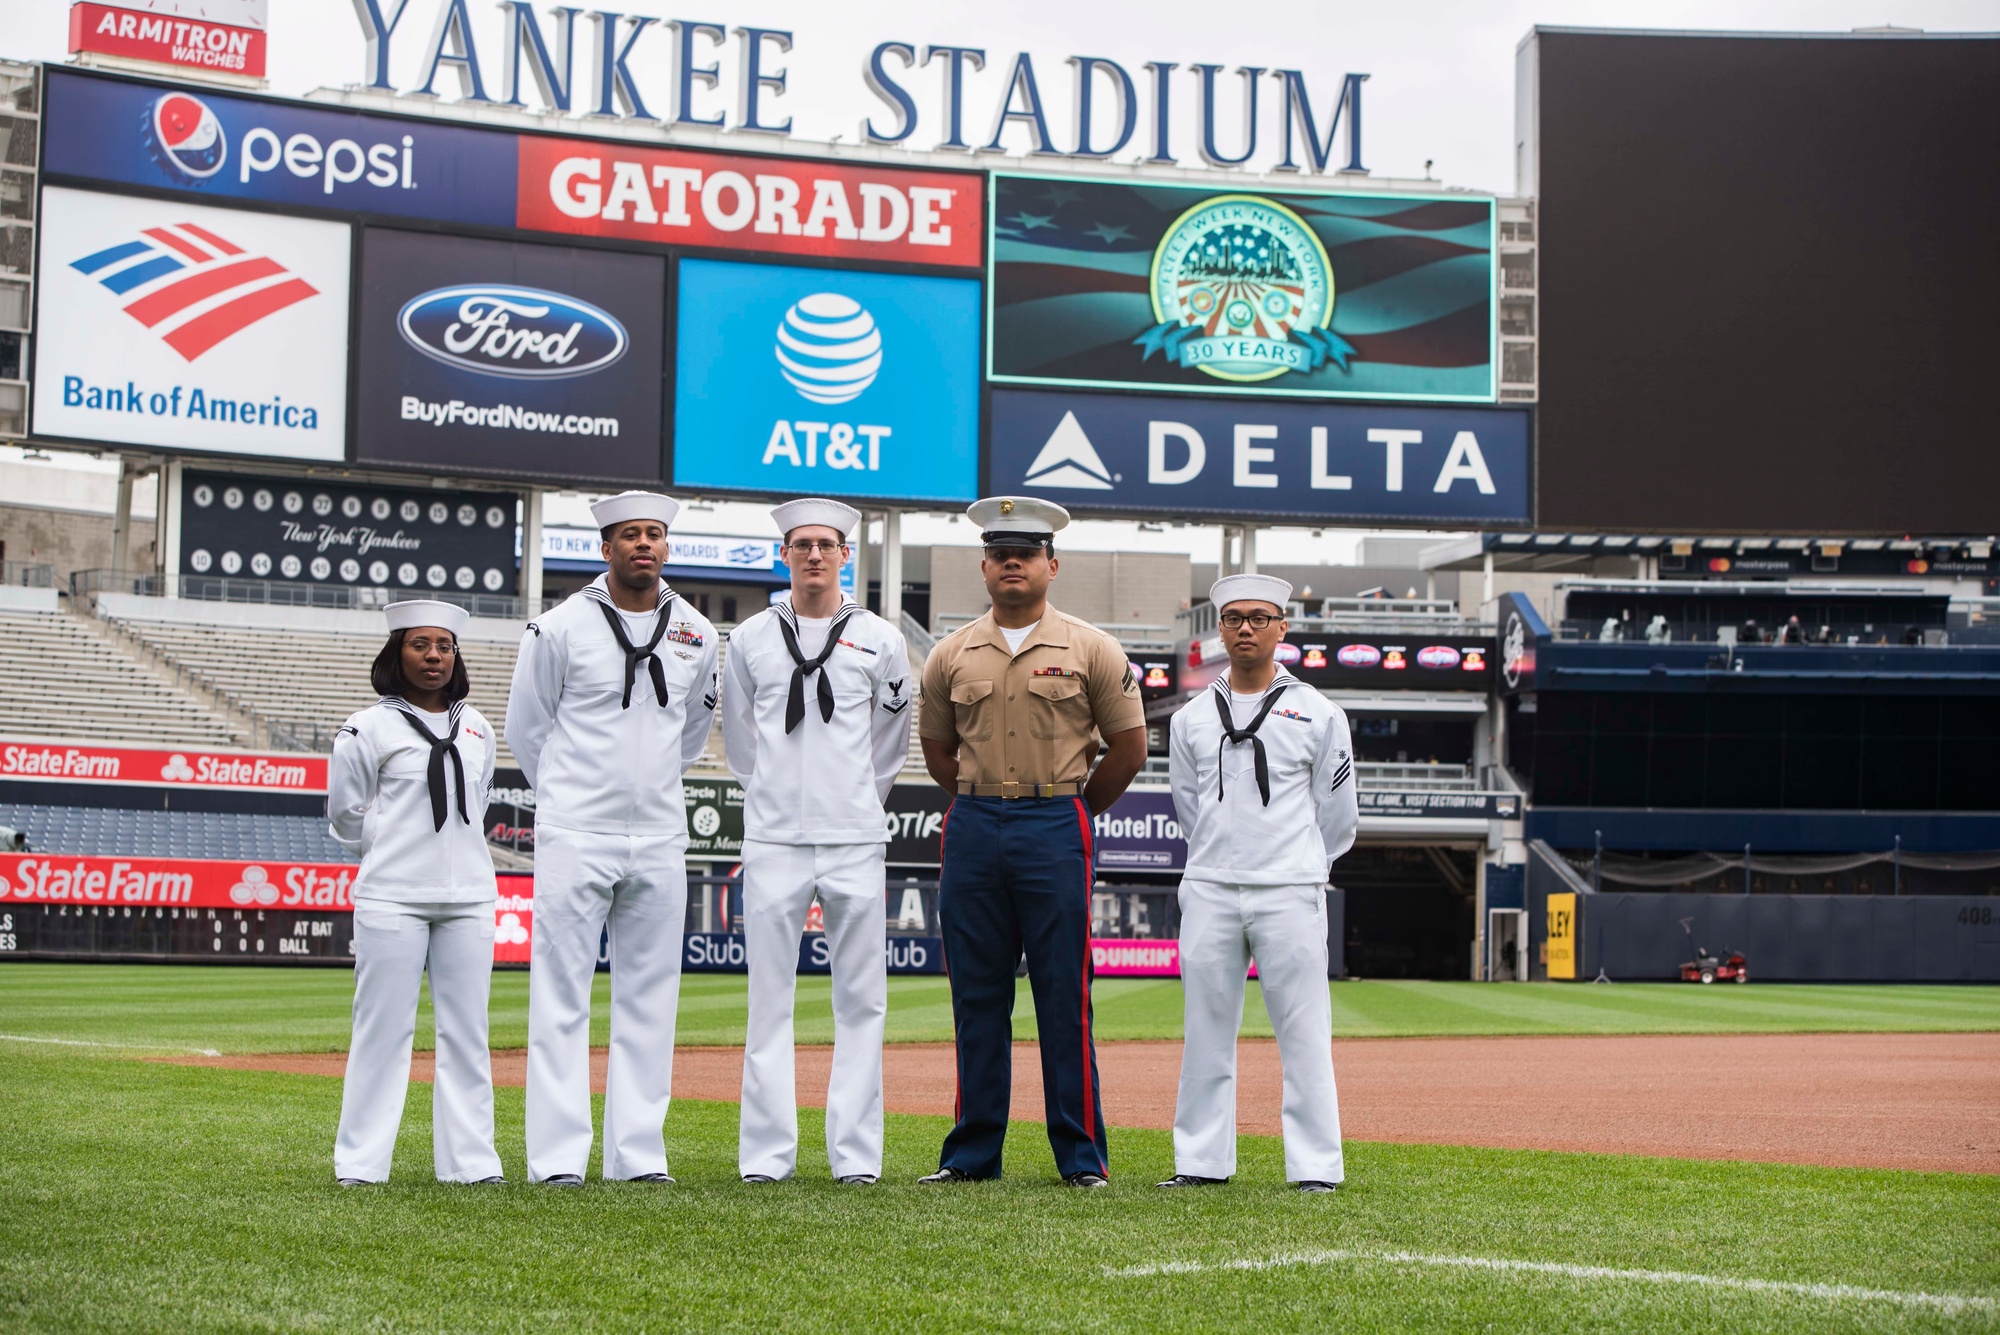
point(407, 790)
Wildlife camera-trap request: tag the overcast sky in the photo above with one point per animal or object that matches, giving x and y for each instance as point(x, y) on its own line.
point(1441, 80)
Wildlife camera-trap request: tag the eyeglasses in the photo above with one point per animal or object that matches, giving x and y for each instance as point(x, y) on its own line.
point(1256, 620)
point(421, 647)
point(824, 546)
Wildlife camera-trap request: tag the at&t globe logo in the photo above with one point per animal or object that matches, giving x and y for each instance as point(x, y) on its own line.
point(185, 138)
point(829, 348)
point(1243, 290)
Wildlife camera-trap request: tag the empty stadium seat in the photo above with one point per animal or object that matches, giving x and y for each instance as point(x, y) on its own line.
point(104, 832)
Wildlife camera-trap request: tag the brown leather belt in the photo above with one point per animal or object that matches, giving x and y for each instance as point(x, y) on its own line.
point(1014, 790)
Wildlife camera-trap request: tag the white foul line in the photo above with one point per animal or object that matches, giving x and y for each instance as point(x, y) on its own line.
point(126, 1047)
point(1948, 1303)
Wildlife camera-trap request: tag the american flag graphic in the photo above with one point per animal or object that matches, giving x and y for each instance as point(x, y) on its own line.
point(192, 287)
point(1072, 260)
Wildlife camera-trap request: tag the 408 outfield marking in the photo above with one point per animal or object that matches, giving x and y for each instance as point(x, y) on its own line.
point(1950, 1304)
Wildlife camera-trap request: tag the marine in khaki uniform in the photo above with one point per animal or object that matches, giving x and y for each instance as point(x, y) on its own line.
point(1014, 707)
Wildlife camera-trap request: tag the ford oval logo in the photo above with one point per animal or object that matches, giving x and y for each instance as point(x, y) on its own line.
point(521, 332)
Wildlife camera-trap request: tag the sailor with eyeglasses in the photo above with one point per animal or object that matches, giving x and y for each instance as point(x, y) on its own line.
point(1262, 771)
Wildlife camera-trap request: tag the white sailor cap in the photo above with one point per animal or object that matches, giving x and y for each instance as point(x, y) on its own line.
point(816, 510)
point(427, 612)
point(627, 506)
point(1017, 521)
point(1250, 588)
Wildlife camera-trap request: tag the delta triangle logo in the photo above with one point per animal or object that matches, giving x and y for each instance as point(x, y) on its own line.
point(1068, 460)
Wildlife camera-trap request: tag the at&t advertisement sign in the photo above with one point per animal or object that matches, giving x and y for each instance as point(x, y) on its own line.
point(797, 381)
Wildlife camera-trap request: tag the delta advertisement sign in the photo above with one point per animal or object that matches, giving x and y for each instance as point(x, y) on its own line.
point(85, 762)
point(158, 137)
point(173, 324)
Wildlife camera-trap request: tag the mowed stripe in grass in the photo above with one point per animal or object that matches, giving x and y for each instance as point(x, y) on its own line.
point(135, 1196)
point(249, 1009)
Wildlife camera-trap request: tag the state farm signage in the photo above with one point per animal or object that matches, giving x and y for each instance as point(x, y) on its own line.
point(43, 878)
point(226, 36)
point(89, 763)
point(784, 206)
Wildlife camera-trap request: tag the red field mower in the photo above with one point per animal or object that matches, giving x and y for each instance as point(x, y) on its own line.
point(1707, 968)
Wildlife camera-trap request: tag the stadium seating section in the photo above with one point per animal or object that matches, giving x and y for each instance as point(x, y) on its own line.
point(91, 831)
point(67, 680)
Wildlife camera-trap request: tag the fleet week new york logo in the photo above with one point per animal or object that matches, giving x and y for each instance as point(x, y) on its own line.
point(1243, 291)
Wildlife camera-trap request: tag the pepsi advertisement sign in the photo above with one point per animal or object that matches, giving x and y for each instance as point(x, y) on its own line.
point(509, 358)
point(1389, 463)
point(166, 138)
point(796, 381)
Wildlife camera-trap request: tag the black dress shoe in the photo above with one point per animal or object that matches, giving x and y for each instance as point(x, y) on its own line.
point(353, 1182)
point(856, 1180)
point(1319, 1186)
point(946, 1175)
point(495, 1181)
point(652, 1177)
point(1086, 1179)
point(563, 1180)
point(1190, 1180)
point(758, 1179)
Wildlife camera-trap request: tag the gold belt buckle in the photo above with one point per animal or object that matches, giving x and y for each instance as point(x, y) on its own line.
point(1009, 789)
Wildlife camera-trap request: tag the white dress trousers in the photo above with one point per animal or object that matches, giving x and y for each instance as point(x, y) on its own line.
point(638, 885)
point(1284, 928)
point(395, 945)
point(779, 881)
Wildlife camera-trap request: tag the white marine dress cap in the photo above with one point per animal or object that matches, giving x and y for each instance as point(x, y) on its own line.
point(819, 511)
point(1250, 588)
point(416, 612)
point(627, 506)
point(1008, 520)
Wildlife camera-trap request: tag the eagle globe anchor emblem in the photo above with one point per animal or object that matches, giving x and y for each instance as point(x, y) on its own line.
point(1243, 290)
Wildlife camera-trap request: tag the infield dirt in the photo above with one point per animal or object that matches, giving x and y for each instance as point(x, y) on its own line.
point(1928, 1102)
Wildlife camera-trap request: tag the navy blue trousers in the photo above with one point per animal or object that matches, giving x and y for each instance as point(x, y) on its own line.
point(1017, 877)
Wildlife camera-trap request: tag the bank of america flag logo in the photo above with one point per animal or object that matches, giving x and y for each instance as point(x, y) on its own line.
point(191, 287)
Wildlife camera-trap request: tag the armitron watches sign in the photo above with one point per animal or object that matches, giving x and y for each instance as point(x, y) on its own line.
point(221, 35)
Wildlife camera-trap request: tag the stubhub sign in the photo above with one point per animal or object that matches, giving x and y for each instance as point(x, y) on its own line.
point(1160, 455)
point(814, 381)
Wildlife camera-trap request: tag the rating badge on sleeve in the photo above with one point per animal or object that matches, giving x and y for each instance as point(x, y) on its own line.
point(1243, 290)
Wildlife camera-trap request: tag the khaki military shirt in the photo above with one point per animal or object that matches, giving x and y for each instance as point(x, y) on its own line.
point(1031, 717)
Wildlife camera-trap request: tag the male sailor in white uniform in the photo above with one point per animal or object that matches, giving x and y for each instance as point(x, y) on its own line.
point(1262, 770)
point(816, 723)
point(612, 701)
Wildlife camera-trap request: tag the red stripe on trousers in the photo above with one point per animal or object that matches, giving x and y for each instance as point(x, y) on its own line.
point(957, 1080)
point(1090, 1110)
point(205, 331)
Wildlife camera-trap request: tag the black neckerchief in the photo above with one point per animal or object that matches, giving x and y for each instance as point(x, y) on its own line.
point(795, 702)
point(634, 656)
point(441, 747)
point(1232, 734)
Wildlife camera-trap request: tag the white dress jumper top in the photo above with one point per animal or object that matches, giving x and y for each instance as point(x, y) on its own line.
point(604, 723)
point(816, 722)
point(407, 790)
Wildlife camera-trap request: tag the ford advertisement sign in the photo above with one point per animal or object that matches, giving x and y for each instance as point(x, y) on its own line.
point(512, 331)
point(509, 359)
point(820, 382)
point(1224, 458)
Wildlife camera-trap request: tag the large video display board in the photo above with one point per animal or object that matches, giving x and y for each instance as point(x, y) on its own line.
point(509, 358)
point(1219, 291)
point(173, 324)
point(1767, 282)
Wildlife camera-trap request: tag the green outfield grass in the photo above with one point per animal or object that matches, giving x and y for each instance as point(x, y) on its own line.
point(136, 1196)
point(248, 1009)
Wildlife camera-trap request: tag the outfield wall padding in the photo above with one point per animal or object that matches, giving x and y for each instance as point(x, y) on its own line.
point(1637, 936)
